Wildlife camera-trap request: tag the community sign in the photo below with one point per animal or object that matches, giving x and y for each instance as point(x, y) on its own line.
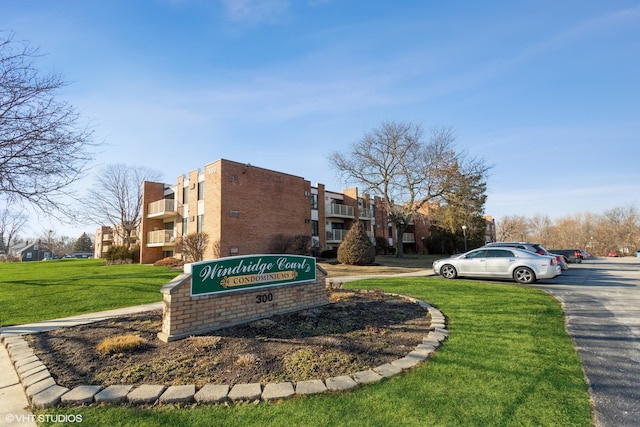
point(251, 271)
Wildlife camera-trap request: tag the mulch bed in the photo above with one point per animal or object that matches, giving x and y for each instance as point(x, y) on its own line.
point(357, 331)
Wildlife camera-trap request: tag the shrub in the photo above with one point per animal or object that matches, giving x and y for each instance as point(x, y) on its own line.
point(169, 262)
point(329, 253)
point(120, 343)
point(119, 255)
point(356, 248)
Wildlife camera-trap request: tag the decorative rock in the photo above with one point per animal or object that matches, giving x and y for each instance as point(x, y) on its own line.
point(431, 341)
point(21, 352)
point(405, 362)
point(245, 392)
point(428, 347)
point(387, 370)
point(419, 354)
point(26, 361)
point(48, 397)
point(443, 331)
point(436, 336)
point(37, 377)
point(80, 395)
point(146, 393)
point(179, 394)
point(28, 369)
point(15, 343)
point(40, 386)
point(113, 394)
point(367, 377)
point(343, 382)
point(274, 391)
point(310, 387)
point(212, 393)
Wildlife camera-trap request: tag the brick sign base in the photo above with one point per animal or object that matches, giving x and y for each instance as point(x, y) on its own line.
point(184, 315)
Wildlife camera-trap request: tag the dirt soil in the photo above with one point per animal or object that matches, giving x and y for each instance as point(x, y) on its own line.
point(356, 331)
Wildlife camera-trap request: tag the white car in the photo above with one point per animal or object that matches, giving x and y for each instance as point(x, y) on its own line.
point(499, 263)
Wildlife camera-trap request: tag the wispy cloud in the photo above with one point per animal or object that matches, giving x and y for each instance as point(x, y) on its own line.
point(255, 11)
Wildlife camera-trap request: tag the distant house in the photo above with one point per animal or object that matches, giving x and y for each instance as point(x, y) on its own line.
point(31, 251)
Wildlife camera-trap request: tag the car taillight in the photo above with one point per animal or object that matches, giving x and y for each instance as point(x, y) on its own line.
point(554, 261)
point(577, 253)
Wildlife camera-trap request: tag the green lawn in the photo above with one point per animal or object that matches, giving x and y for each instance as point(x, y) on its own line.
point(508, 362)
point(34, 291)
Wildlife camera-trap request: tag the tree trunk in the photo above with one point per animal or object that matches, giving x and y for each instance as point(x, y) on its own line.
point(400, 229)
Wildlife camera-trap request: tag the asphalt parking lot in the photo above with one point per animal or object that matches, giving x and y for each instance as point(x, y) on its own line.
point(601, 299)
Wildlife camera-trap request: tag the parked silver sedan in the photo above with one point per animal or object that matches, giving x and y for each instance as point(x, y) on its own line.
point(499, 263)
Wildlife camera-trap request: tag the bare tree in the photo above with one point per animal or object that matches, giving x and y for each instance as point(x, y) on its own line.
point(59, 246)
point(512, 228)
point(408, 173)
point(116, 198)
point(10, 224)
point(193, 246)
point(624, 224)
point(43, 147)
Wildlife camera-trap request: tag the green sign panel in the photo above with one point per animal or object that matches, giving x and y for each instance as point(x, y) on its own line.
point(251, 271)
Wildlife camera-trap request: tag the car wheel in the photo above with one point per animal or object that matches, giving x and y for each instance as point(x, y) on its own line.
point(449, 271)
point(524, 275)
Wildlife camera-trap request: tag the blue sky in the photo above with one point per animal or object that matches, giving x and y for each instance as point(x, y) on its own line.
point(548, 92)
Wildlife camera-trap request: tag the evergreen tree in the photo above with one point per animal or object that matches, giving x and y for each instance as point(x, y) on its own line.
point(83, 244)
point(357, 248)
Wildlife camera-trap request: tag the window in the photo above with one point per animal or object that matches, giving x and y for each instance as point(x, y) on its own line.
point(200, 224)
point(185, 195)
point(477, 254)
point(314, 201)
point(315, 228)
point(499, 253)
point(201, 190)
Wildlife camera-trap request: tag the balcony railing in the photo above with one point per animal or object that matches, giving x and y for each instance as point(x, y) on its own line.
point(334, 209)
point(408, 238)
point(365, 214)
point(164, 208)
point(336, 235)
point(161, 238)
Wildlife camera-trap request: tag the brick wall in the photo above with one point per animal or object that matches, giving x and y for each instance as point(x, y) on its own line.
point(184, 315)
point(254, 205)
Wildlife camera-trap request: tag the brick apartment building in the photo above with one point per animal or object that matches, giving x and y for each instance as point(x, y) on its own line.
point(243, 208)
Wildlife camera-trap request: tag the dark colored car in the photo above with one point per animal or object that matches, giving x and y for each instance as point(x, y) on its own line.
point(572, 255)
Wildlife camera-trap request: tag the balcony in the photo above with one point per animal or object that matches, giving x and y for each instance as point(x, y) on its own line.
point(334, 236)
point(107, 237)
point(365, 214)
point(165, 208)
point(336, 210)
point(161, 238)
point(408, 238)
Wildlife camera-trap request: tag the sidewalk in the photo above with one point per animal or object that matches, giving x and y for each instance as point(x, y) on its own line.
point(13, 401)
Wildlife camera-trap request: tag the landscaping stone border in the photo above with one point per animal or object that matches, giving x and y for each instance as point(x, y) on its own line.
point(43, 392)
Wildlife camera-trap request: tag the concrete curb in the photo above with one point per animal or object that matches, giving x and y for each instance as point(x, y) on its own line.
point(43, 392)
